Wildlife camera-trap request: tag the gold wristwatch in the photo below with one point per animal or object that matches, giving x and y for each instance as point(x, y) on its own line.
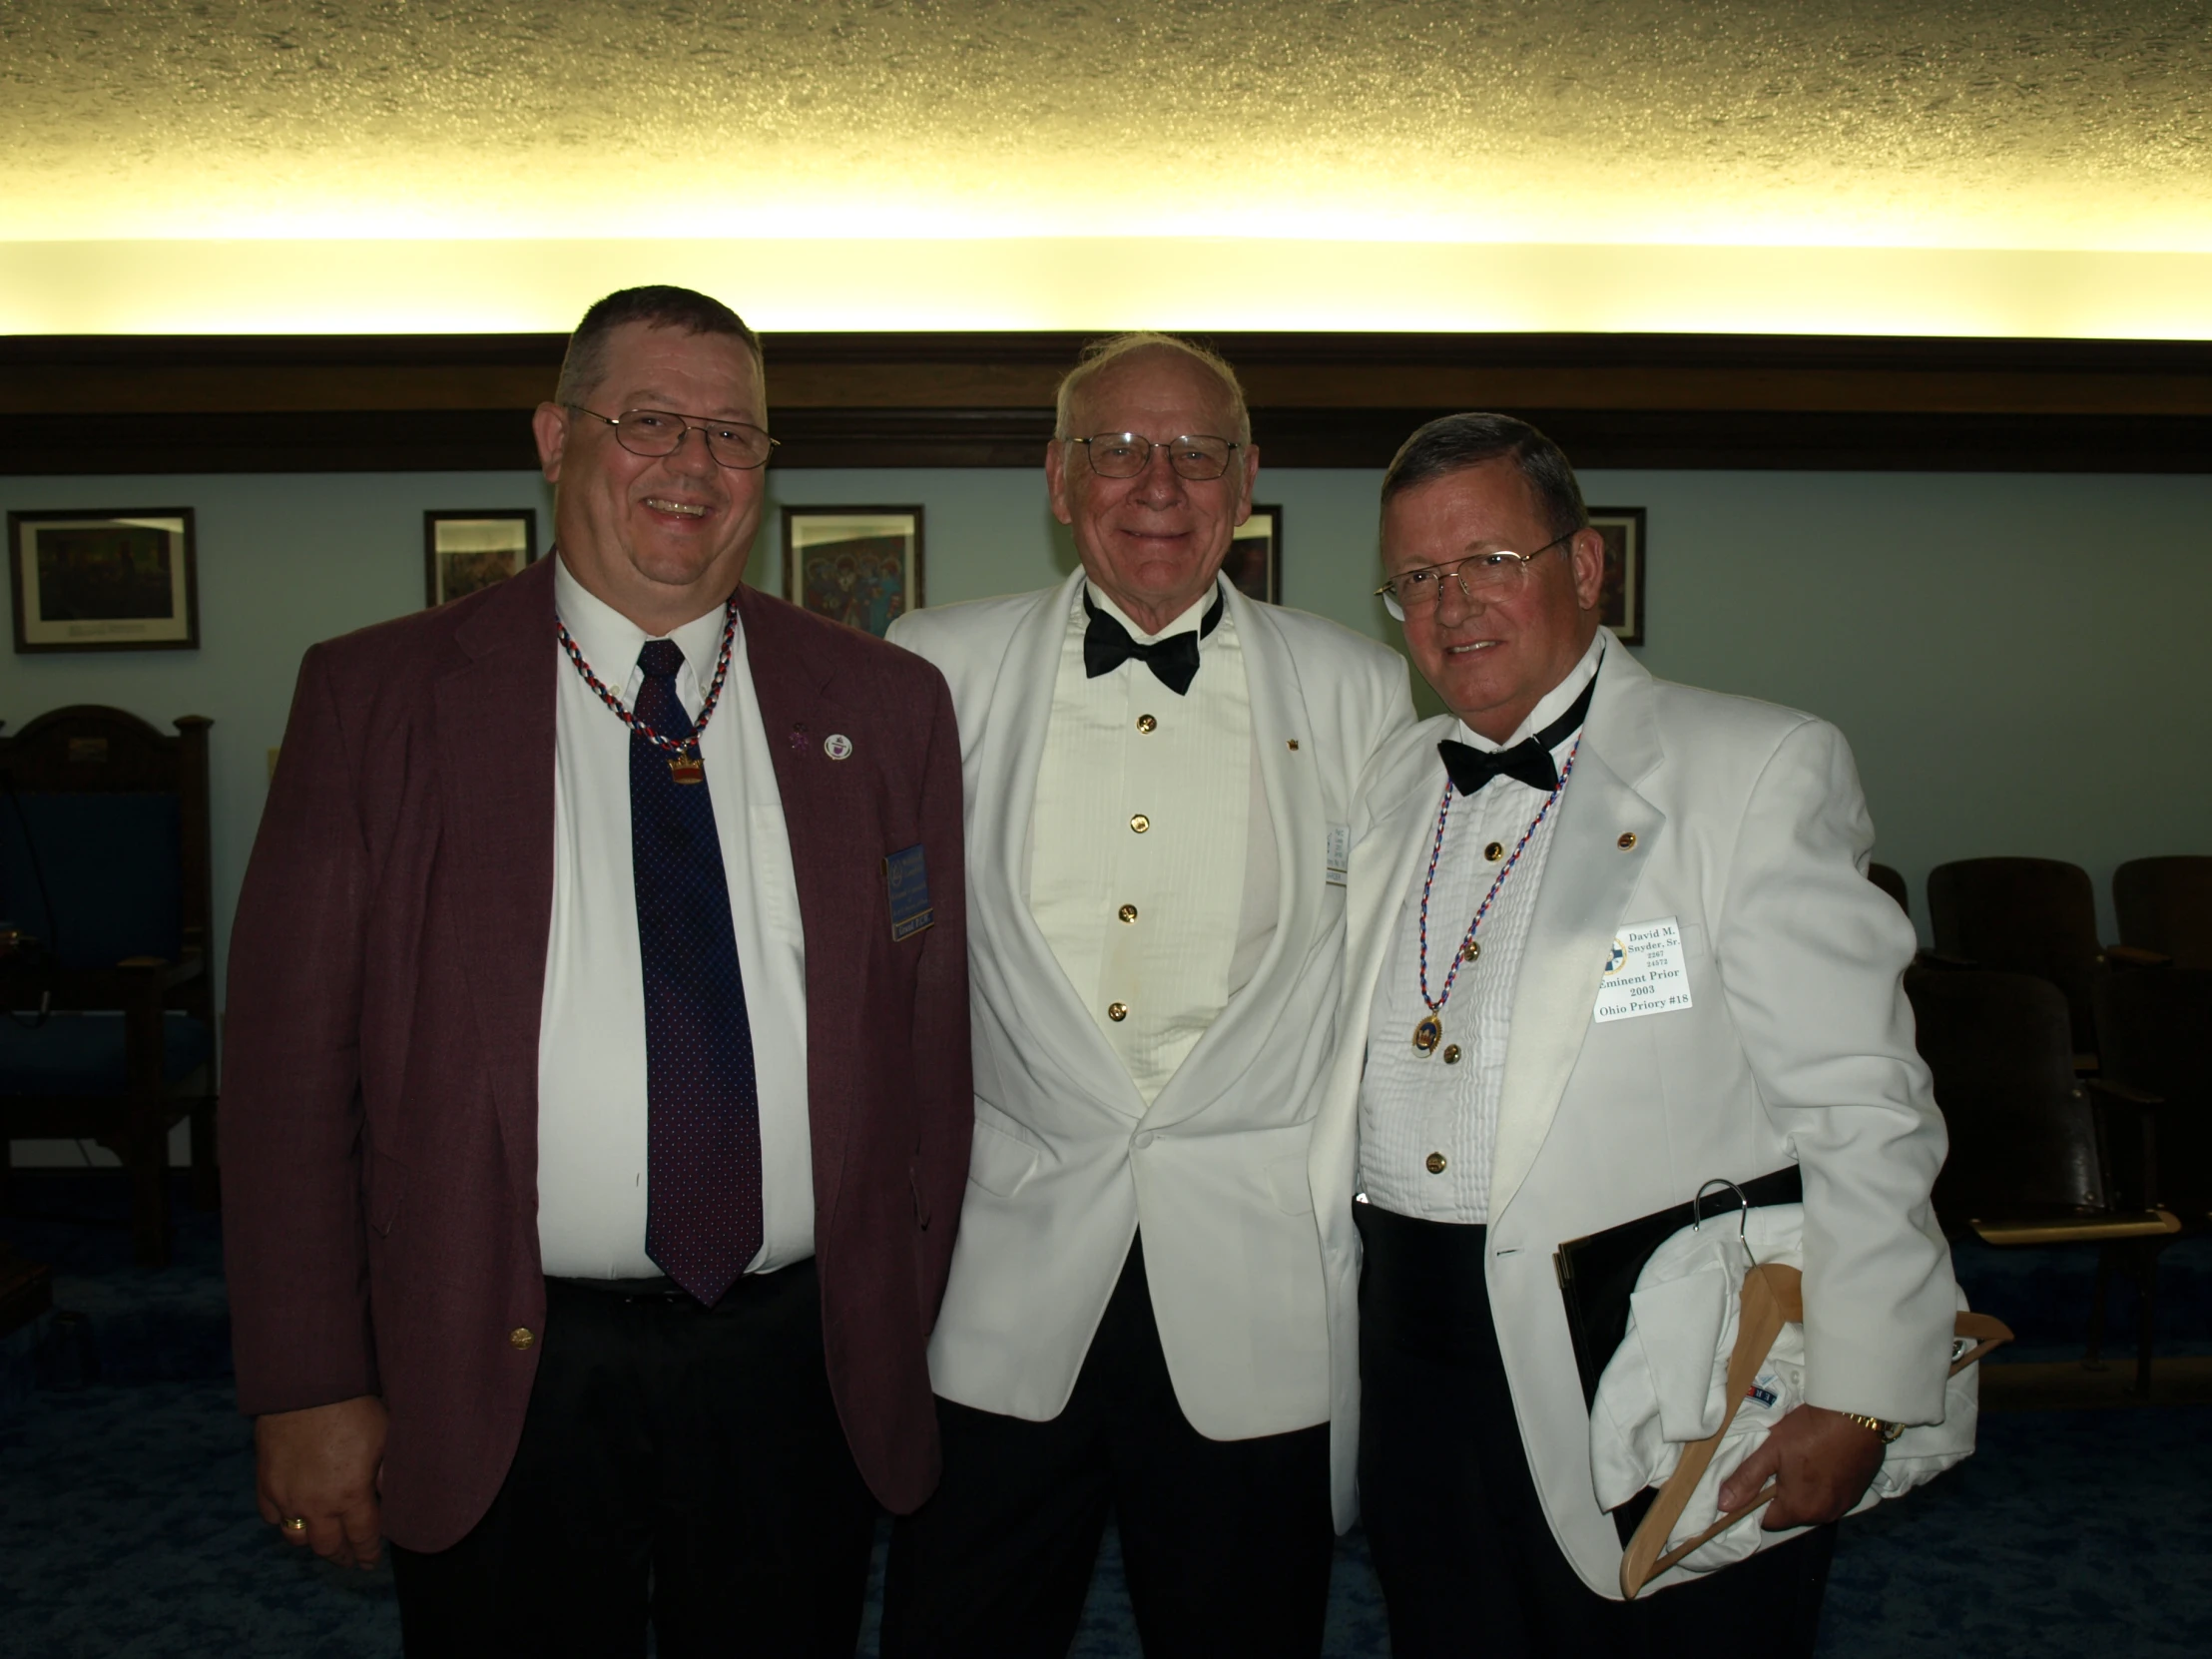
point(1888, 1431)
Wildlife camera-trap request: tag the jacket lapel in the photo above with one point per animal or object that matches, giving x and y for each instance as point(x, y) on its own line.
point(1005, 941)
point(1589, 877)
point(825, 806)
point(494, 735)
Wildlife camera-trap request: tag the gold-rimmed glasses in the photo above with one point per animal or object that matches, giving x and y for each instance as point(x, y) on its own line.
point(1484, 578)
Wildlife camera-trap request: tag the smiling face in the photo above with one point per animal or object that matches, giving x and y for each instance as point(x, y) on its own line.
point(661, 539)
point(1150, 543)
point(1492, 662)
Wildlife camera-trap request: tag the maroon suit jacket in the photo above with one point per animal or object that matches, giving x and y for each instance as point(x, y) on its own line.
point(388, 965)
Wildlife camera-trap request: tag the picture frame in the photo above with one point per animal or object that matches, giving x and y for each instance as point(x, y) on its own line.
point(1254, 562)
point(104, 579)
point(465, 550)
point(1621, 592)
point(860, 566)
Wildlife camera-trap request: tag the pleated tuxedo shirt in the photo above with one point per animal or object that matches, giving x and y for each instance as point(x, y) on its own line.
point(592, 1107)
point(1153, 872)
point(1417, 1109)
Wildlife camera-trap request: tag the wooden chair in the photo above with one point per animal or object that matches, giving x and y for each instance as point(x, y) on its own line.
point(2154, 1034)
point(2023, 915)
point(2039, 1156)
point(2165, 905)
point(110, 1006)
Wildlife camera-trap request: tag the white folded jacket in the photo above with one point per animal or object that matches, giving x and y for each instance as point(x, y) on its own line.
point(1665, 1385)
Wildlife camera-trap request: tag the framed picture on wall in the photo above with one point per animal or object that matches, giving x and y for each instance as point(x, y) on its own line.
point(1621, 596)
point(1254, 562)
point(464, 551)
point(104, 579)
point(860, 566)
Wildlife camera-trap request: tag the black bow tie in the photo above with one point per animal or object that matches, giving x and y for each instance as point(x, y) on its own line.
point(1174, 659)
point(1529, 760)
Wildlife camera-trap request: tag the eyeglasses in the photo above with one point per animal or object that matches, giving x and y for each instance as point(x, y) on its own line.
point(1484, 579)
point(655, 432)
point(1126, 455)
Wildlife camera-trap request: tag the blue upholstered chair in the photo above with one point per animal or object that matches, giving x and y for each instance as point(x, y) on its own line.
point(105, 935)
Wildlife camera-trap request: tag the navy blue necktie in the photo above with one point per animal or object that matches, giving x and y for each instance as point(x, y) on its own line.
point(703, 1157)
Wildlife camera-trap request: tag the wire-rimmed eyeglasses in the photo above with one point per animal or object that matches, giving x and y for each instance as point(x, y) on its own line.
point(655, 432)
point(1484, 578)
point(1193, 455)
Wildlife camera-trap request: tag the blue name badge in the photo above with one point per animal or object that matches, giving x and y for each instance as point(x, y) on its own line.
point(907, 876)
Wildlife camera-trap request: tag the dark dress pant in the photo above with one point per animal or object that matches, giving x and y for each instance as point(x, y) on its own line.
point(1459, 1537)
point(678, 1464)
point(1226, 1545)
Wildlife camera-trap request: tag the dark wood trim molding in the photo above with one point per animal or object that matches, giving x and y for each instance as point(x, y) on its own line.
point(271, 403)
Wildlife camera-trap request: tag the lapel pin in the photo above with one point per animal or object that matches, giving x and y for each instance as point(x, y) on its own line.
point(837, 745)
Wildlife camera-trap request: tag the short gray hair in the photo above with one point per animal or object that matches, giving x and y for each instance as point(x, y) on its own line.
point(1102, 354)
point(1454, 443)
point(657, 307)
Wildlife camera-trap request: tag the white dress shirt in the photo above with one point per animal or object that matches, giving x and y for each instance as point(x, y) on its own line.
point(1428, 1122)
point(1155, 928)
point(592, 1105)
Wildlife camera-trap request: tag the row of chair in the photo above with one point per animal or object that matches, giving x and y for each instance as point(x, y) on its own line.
point(107, 996)
point(2076, 1083)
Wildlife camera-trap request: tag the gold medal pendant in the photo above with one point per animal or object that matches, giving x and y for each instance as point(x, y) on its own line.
point(687, 769)
point(1428, 1034)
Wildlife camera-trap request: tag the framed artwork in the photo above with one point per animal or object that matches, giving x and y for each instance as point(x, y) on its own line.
point(1621, 596)
point(466, 551)
point(1254, 562)
point(104, 579)
point(860, 566)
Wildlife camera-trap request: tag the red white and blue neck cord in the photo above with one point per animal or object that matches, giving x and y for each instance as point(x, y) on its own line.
point(1444, 812)
point(687, 748)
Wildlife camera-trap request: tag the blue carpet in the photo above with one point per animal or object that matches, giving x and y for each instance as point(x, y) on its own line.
point(128, 1527)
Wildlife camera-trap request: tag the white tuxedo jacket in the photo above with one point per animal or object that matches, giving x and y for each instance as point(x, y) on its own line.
point(1749, 827)
point(1068, 1163)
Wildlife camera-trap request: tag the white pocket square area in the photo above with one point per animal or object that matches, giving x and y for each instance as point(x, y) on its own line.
point(1644, 972)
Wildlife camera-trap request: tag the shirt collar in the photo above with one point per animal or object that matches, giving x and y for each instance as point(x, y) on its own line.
point(1187, 623)
point(611, 641)
point(1551, 705)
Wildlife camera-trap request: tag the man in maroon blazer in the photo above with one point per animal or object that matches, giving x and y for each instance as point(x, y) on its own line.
point(598, 1102)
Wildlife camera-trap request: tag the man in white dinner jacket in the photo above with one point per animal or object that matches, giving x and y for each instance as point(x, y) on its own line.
point(1670, 967)
point(1161, 779)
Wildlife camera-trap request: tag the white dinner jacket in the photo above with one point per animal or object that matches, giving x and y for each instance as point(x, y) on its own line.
point(1068, 1162)
point(1746, 822)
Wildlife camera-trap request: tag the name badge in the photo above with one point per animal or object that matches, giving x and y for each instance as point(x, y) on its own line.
point(1644, 973)
point(1340, 854)
point(907, 874)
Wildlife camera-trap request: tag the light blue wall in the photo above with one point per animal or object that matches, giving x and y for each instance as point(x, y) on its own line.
point(2018, 659)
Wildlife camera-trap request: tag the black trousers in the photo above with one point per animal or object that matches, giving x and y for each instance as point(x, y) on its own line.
point(1226, 1543)
point(1458, 1538)
point(678, 1464)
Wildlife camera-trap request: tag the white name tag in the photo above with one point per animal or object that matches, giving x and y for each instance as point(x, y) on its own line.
point(1340, 854)
point(1644, 973)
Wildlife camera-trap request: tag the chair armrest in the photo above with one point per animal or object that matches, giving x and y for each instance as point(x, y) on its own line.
point(2134, 955)
point(73, 989)
point(2105, 1095)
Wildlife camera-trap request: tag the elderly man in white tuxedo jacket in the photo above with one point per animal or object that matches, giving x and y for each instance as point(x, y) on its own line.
point(1161, 783)
point(1505, 1099)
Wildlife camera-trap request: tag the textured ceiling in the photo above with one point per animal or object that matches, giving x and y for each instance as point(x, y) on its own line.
point(2028, 123)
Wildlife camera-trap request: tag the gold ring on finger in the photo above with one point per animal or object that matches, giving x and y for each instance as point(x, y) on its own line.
point(298, 1523)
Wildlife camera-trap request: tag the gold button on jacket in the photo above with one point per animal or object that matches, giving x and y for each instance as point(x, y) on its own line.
point(1436, 1163)
point(520, 1336)
point(1128, 913)
point(1117, 1011)
point(1147, 725)
point(1140, 823)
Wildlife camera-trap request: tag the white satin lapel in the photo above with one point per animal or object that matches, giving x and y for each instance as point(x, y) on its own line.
point(1004, 929)
point(1589, 876)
